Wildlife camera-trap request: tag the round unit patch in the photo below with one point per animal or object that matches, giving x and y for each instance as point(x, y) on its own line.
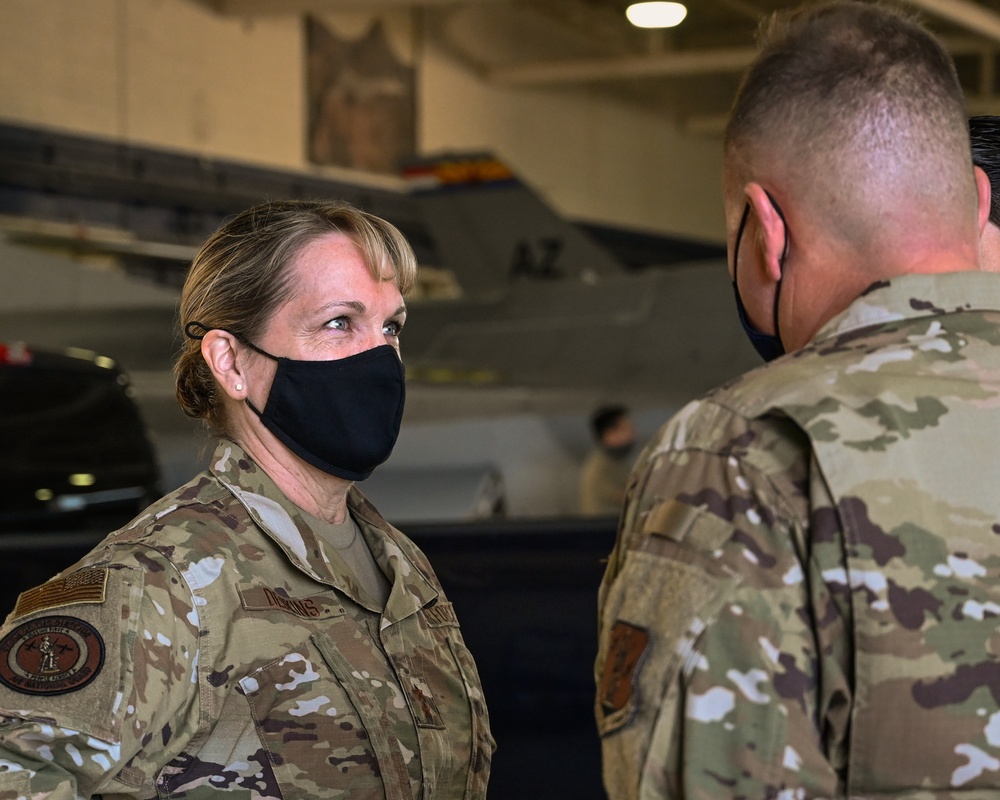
point(51, 655)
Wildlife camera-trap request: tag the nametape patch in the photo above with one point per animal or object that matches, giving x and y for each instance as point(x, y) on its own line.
point(261, 598)
point(51, 655)
point(625, 651)
point(84, 586)
point(441, 615)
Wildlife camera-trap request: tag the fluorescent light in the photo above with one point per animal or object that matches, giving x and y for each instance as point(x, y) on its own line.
point(656, 15)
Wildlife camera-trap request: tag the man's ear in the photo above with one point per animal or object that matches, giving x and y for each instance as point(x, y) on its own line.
point(773, 231)
point(985, 193)
point(220, 351)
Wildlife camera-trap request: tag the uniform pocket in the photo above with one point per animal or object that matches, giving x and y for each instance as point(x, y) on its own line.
point(655, 609)
point(232, 759)
point(61, 655)
point(666, 593)
point(321, 730)
point(442, 686)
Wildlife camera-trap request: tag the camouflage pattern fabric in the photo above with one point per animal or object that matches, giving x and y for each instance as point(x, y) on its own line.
point(804, 597)
point(213, 647)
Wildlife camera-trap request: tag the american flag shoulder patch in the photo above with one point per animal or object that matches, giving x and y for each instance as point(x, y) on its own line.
point(87, 585)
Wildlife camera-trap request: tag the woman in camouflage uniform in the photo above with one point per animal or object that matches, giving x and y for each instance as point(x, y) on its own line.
point(262, 630)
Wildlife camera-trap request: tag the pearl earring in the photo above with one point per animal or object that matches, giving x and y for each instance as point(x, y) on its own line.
point(239, 387)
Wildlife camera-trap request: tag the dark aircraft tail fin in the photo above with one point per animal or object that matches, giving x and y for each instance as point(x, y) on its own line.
point(492, 229)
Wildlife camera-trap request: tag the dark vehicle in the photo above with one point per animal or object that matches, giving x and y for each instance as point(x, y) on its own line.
point(74, 452)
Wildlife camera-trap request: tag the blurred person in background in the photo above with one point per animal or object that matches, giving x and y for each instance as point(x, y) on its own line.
point(262, 630)
point(606, 467)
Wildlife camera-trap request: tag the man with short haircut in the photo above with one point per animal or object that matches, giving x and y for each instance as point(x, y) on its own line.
point(804, 596)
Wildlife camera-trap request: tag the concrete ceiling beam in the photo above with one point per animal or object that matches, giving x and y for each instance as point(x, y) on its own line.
point(259, 8)
point(669, 64)
point(693, 62)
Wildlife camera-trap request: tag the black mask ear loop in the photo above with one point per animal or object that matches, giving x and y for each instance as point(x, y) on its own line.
point(191, 327)
point(191, 331)
point(781, 264)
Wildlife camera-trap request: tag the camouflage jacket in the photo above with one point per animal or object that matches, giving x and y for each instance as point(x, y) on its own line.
point(212, 646)
point(804, 597)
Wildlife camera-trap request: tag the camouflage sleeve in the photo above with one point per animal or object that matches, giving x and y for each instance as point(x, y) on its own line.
point(719, 673)
point(97, 679)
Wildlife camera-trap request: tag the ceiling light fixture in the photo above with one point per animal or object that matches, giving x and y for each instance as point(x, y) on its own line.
point(656, 15)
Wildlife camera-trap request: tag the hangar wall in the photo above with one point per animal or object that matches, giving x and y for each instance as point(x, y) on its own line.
point(172, 74)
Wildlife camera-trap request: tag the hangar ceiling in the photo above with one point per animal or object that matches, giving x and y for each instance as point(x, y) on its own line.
point(689, 72)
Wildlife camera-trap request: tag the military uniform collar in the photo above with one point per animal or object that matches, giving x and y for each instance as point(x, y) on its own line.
point(282, 521)
point(411, 590)
point(918, 295)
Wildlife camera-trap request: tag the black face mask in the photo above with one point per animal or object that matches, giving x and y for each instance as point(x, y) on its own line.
point(768, 346)
point(340, 416)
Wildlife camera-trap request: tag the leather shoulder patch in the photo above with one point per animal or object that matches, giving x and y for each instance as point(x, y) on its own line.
point(625, 651)
point(83, 586)
point(51, 655)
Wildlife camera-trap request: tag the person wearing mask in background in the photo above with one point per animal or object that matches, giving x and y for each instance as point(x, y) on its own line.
point(606, 467)
point(802, 601)
point(262, 630)
point(984, 132)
